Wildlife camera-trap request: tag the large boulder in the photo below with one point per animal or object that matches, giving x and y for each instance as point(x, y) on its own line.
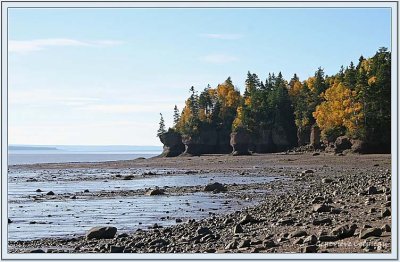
point(203, 143)
point(216, 187)
point(173, 145)
point(342, 143)
point(315, 137)
point(358, 146)
point(101, 233)
point(240, 141)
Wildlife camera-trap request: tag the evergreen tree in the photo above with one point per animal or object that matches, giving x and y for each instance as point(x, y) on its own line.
point(161, 129)
point(176, 115)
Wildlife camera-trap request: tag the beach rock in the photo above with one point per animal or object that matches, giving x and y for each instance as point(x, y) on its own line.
point(155, 192)
point(86, 191)
point(327, 180)
point(372, 190)
point(237, 229)
point(342, 143)
point(386, 213)
point(244, 243)
point(386, 228)
point(311, 240)
point(178, 220)
point(328, 238)
point(308, 171)
point(285, 222)
point(116, 249)
point(370, 232)
point(50, 193)
point(203, 231)
point(217, 187)
point(269, 243)
point(159, 242)
point(247, 219)
point(37, 251)
point(173, 145)
point(231, 245)
point(309, 249)
point(298, 233)
point(101, 233)
point(344, 231)
point(9, 221)
point(240, 141)
point(321, 208)
point(39, 190)
point(322, 221)
point(358, 146)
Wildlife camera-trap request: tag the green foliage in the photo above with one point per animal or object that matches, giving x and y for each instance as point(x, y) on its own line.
point(355, 102)
point(161, 129)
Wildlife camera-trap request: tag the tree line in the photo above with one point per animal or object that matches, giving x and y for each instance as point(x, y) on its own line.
point(355, 102)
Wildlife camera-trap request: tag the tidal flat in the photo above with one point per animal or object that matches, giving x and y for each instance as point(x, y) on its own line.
point(273, 203)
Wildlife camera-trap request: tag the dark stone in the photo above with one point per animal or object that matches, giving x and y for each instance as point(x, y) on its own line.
point(358, 146)
point(299, 233)
point(322, 221)
point(244, 243)
point(370, 232)
point(344, 231)
point(247, 219)
point(372, 190)
point(50, 193)
point(203, 231)
point(342, 143)
point(37, 251)
point(328, 238)
point(386, 213)
point(159, 242)
point(116, 249)
point(321, 208)
point(269, 243)
point(309, 249)
point(173, 145)
point(155, 192)
point(238, 229)
point(39, 190)
point(101, 233)
point(218, 187)
point(311, 240)
point(178, 220)
point(9, 221)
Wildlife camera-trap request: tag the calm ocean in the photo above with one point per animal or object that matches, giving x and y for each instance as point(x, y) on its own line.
point(21, 154)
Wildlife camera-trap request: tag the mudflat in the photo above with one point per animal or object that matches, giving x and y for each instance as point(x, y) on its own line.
point(310, 203)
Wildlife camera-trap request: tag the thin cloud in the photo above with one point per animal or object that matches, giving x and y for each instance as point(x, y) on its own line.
point(28, 46)
point(219, 59)
point(222, 36)
point(128, 108)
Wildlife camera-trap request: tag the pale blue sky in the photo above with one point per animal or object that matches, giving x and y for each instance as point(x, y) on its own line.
point(102, 76)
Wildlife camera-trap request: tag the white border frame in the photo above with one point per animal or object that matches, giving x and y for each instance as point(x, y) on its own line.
point(297, 256)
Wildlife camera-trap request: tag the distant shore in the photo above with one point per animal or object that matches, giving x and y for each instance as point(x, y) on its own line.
point(325, 203)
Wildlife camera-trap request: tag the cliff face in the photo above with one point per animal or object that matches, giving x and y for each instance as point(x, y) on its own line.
point(173, 145)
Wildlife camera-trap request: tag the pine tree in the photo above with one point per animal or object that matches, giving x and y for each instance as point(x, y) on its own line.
point(161, 129)
point(176, 115)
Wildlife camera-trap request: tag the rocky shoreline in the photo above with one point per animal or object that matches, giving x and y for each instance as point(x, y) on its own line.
point(325, 203)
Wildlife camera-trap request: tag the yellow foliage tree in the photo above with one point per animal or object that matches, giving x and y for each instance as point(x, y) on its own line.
point(339, 110)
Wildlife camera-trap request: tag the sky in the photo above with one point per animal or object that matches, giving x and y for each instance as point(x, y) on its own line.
point(102, 76)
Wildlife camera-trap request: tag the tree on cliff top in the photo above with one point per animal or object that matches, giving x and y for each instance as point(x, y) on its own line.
point(161, 129)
